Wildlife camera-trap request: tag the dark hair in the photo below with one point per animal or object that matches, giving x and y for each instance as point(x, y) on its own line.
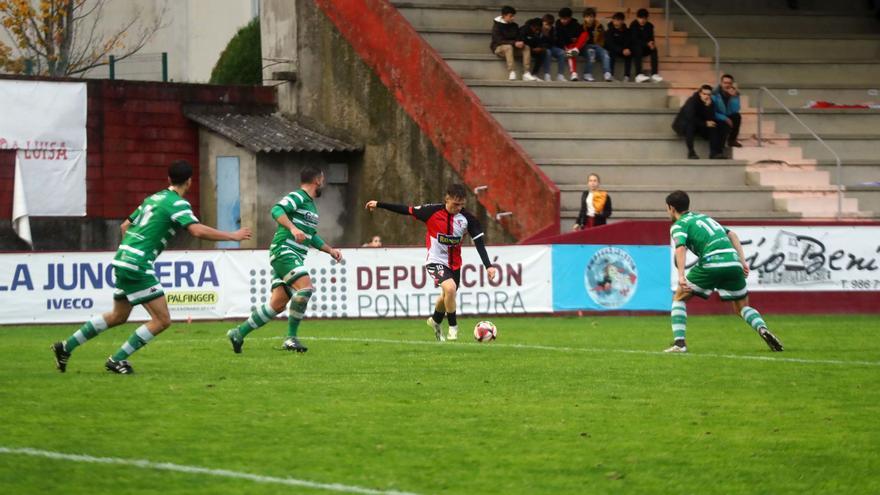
point(564, 12)
point(619, 16)
point(534, 23)
point(679, 201)
point(728, 76)
point(643, 13)
point(179, 172)
point(548, 18)
point(507, 9)
point(457, 191)
point(309, 174)
point(589, 11)
point(706, 86)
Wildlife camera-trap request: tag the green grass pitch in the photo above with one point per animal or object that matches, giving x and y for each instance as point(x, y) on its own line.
point(556, 405)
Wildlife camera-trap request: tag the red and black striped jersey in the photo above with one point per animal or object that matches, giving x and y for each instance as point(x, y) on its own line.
point(445, 232)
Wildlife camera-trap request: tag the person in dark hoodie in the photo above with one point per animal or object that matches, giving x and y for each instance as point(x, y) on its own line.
point(548, 40)
point(643, 45)
point(618, 44)
point(530, 34)
point(570, 37)
point(506, 43)
point(697, 117)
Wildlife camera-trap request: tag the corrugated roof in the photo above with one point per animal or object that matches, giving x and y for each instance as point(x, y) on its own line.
point(266, 133)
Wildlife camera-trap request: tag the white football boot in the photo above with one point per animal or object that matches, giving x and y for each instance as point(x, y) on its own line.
point(453, 333)
point(438, 330)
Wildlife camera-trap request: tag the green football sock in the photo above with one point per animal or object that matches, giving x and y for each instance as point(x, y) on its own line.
point(753, 318)
point(89, 330)
point(138, 339)
point(679, 319)
point(297, 310)
point(262, 315)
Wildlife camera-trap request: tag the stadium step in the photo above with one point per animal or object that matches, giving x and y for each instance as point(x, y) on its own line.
point(791, 46)
point(719, 197)
point(667, 145)
point(728, 21)
point(669, 173)
point(622, 130)
point(696, 70)
point(816, 205)
point(570, 95)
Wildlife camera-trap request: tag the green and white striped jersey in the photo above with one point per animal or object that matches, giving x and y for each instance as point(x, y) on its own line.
point(301, 210)
point(706, 238)
point(153, 224)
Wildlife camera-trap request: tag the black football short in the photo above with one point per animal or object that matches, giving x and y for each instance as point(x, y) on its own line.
point(441, 273)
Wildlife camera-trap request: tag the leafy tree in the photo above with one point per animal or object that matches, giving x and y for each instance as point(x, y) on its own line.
point(66, 37)
point(241, 62)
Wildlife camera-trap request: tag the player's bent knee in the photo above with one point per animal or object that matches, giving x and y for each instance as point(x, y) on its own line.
point(302, 296)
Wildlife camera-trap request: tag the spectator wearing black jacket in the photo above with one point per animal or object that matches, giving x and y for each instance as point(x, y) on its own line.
point(618, 44)
point(506, 43)
point(643, 45)
point(595, 206)
point(697, 117)
point(530, 34)
point(548, 40)
point(570, 38)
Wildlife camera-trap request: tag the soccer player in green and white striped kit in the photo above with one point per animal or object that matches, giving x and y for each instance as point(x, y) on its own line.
point(722, 266)
point(297, 218)
point(145, 233)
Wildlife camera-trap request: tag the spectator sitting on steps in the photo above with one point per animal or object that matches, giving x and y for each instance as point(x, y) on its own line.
point(697, 116)
point(569, 39)
point(726, 101)
point(618, 44)
point(506, 42)
point(548, 40)
point(595, 206)
point(594, 46)
point(530, 34)
point(642, 33)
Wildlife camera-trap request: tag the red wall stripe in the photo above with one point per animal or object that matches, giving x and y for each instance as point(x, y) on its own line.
point(450, 115)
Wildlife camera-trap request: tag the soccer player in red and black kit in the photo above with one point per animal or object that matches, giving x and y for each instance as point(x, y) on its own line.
point(447, 223)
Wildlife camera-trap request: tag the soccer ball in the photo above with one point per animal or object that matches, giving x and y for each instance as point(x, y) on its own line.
point(485, 331)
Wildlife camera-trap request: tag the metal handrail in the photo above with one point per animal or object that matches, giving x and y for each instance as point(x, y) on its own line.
point(700, 25)
point(839, 169)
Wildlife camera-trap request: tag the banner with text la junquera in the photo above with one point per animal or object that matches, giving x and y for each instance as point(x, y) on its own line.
point(384, 282)
point(810, 258)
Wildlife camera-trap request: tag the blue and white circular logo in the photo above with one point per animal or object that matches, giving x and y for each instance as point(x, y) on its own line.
point(611, 277)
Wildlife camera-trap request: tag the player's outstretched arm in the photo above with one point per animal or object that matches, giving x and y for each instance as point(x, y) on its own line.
point(212, 234)
point(401, 209)
point(124, 227)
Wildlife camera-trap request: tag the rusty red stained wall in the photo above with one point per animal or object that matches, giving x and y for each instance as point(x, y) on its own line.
point(134, 131)
point(450, 114)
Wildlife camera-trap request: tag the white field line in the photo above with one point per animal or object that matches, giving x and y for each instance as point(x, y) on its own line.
point(181, 468)
point(691, 355)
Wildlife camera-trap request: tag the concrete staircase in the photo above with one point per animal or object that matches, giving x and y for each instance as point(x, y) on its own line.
point(622, 130)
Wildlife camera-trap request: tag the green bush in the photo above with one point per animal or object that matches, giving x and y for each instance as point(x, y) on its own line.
point(241, 62)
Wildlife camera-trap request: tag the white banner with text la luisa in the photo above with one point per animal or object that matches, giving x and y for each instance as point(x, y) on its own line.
point(809, 258)
point(383, 282)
